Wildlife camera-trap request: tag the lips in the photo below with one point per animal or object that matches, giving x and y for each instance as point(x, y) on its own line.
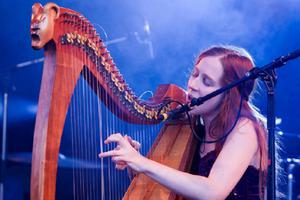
point(35, 37)
point(190, 97)
point(34, 29)
point(35, 40)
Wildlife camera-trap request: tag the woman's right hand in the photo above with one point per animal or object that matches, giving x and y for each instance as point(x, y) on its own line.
point(122, 165)
point(125, 154)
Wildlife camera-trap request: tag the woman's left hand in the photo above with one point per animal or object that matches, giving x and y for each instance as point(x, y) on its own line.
point(125, 154)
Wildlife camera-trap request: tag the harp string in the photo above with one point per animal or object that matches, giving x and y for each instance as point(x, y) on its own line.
point(98, 130)
point(87, 129)
point(73, 139)
point(73, 129)
point(95, 175)
point(99, 109)
point(90, 130)
point(75, 134)
point(81, 133)
point(78, 132)
point(96, 150)
point(107, 130)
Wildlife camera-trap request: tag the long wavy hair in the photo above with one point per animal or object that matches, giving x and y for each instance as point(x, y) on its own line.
point(236, 62)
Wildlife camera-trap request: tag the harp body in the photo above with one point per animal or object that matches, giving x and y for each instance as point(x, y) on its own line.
point(73, 48)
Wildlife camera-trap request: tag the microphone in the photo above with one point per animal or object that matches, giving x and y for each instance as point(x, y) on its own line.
point(278, 62)
point(175, 113)
point(291, 56)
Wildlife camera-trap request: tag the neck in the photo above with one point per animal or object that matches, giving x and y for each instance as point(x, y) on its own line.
point(207, 121)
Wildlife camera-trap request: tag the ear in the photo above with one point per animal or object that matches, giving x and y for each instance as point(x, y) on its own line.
point(37, 9)
point(54, 7)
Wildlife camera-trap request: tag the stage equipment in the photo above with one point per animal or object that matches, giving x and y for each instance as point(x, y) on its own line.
point(3, 152)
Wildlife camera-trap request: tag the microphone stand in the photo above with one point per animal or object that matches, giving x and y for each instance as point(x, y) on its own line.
point(267, 74)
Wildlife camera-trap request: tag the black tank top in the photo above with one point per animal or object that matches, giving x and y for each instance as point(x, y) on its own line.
point(246, 188)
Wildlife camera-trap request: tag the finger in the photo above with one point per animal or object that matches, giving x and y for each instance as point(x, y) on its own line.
point(121, 163)
point(116, 159)
point(128, 138)
point(113, 138)
point(121, 167)
point(117, 137)
point(136, 145)
point(132, 142)
point(109, 153)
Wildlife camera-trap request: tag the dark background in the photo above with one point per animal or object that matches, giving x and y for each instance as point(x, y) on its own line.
point(179, 30)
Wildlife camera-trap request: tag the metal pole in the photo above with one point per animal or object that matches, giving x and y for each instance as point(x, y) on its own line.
point(290, 180)
point(3, 156)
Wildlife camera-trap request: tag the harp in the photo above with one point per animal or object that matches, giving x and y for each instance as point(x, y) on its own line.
point(73, 50)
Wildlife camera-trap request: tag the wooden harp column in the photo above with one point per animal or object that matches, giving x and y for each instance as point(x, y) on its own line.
point(71, 46)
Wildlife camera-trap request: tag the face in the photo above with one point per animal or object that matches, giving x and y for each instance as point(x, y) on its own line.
point(42, 24)
point(206, 78)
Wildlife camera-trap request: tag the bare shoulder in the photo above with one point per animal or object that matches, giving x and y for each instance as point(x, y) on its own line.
point(238, 152)
point(244, 128)
point(244, 139)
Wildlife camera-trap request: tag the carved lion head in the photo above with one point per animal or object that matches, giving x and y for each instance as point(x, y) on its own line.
point(42, 24)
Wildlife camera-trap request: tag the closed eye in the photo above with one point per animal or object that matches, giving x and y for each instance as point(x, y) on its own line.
point(207, 81)
point(42, 19)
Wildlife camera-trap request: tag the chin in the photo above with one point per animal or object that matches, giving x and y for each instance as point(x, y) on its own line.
point(195, 112)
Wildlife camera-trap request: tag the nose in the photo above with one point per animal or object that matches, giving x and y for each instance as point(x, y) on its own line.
point(34, 27)
point(192, 85)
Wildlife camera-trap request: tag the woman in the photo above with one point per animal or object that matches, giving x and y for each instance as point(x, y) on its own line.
point(234, 166)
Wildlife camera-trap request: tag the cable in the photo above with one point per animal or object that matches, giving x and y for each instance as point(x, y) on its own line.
point(193, 131)
point(167, 103)
point(222, 137)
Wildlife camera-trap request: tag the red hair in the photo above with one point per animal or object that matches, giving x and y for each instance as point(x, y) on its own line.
point(236, 62)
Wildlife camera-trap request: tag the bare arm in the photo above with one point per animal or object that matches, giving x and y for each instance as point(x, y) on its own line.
point(233, 160)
